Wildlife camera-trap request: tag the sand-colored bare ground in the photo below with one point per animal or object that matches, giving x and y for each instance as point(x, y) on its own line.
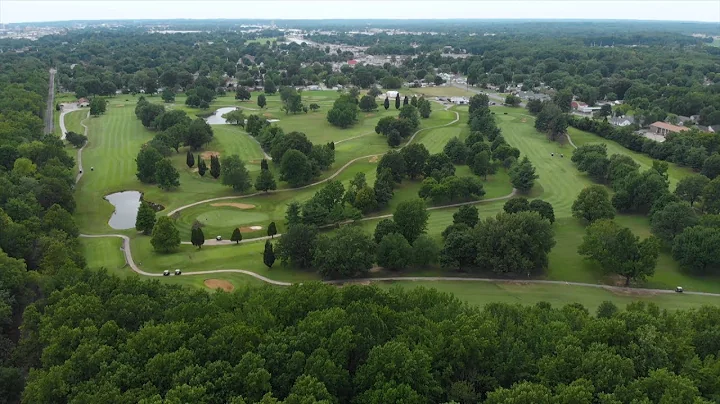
point(373, 159)
point(250, 229)
point(206, 155)
point(219, 284)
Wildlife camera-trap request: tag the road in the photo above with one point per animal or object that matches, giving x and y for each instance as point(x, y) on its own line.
point(50, 109)
point(127, 251)
point(497, 98)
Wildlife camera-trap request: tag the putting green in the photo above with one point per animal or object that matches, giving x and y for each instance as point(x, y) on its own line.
point(226, 217)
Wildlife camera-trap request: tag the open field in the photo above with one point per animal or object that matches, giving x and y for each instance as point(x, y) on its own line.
point(446, 90)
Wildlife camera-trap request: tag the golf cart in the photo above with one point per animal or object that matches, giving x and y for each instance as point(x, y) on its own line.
point(679, 289)
point(166, 272)
point(178, 272)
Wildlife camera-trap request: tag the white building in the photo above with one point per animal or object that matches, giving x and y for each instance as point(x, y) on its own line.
point(459, 100)
point(392, 94)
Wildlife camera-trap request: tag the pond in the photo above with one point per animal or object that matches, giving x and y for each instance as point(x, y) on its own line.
point(126, 208)
point(216, 118)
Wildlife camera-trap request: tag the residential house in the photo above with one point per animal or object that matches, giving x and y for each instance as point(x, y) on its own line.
point(664, 128)
point(83, 102)
point(352, 62)
point(622, 121)
point(576, 105)
point(684, 120)
point(459, 100)
point(709, 129)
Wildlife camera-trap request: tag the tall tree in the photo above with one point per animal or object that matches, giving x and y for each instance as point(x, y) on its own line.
point(272, 230)
point(166, 175)
point(145, 220)
point(190, 159)
point(297, 245)
point(394, 252)
point(295, 168)
point(261, 101)
point(147, 160)
point(522, 175)
point(368, 103)
point(411, 218)
point(265, 181)
point(672, 219)
point(386, 104)
point(619, 251)
point(234, 174)
point(236, 236)
point(406, 100)
point(197, 237)
point(268, 254)
point(415, 156)
point(467, 215)
point(202, 168)
point(199, 133)
point(397, 101)
point(691, 188)
point(214, 166)
point(242, 93)
point(348, 253)
point(165, 236)
point(593, 203)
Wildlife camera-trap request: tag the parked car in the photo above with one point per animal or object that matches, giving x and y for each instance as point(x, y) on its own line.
point(166, 273)
point(178, 272)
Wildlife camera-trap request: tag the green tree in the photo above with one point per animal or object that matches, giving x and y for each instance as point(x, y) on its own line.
point(166, 175)
point(411, 218)
point(214, 166)
point(261, 101)
point(545, 209)
point(242, 93)
point(424, 108)
point(236, 236)
point(349, 253)
point(711, 197)
point(202, 168)
point(512, 100)
point(456, 150)
point(268, 254)
point(145, 218)
point(711, 166)
point(513, 243)
point(386, 104)
point(695, 249)
point(481, 165)
point(397, 101)
point(425, 251)
point(272, 230)
point(522, 175)
point(199, 133)
point(235, 117)
point(295, 168)
point(168, 95)
point(197, 237)
point(593, 204)
point(368, 103)
point(97, 106)
point(165, 236)
point(146, 160)
point(515, 205)
point(415, 156)
point(265, 181)
point(234, 174)
point(297, 245)
point(395, 162)
point(620, 252)
point(467, 215)
point(383, 228)
point(383, 187)
point(269, 88)
point(394, 252)
point(411, 115)
point(672, 219)
point(292, 214)
point(190, 159)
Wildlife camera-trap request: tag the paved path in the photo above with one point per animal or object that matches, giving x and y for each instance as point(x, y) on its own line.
point(67, 108)
point(127, 252)
point(50, 109)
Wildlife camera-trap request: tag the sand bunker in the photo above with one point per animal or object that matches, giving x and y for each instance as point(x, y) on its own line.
point(373, 159)
point(250, 229)
point(206, 155)
point(234, 205)
point(523, 120)
point(219, 284)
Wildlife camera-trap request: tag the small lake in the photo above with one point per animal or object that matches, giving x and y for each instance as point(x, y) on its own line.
point(216, 118)
point(126, 208)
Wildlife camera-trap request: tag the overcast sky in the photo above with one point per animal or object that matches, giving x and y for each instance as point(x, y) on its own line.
point(61, 10)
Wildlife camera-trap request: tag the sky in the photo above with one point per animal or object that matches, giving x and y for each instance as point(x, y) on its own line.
point(13, 11)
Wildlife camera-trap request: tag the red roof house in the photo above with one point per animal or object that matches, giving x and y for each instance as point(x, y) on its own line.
point(352, 62)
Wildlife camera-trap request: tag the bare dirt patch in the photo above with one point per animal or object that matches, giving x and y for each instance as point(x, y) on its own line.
point(206, 155)
point(119, 105)
point(373, 159)
point(219, 284)
point(369, 115)
point(523, 120)
point(234, 205)
point(267, 115)
point(250, 229)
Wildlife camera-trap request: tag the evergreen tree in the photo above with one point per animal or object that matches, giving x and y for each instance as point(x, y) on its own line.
point(268, 254)
point(214, 166)
point(202, 168)
point(236, 236)
point(190, 159)
point(272, 230)
point(197, 237)
point(261, 101)
point(406, 101)
point(145, 218)
point(264, 164)
point(165, 236)
point(265, 181)
point(413, 101)
point(386, 104)
point(522, 175)
point(397, 101)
